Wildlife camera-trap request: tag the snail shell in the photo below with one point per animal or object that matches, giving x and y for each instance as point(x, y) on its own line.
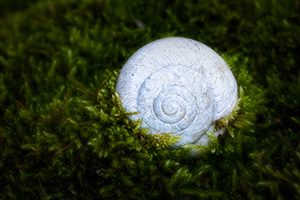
point(177, 86)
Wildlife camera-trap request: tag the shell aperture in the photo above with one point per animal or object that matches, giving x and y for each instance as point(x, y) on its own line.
point(178, 86)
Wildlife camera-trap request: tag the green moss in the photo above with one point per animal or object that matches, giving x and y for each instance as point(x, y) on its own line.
point(64, 134)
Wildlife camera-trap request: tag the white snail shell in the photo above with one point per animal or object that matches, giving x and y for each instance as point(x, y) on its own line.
point(178, 86)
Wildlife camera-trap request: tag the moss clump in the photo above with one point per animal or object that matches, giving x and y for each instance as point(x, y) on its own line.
point(64, 135)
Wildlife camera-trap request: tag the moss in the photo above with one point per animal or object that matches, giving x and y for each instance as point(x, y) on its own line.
point(64, 134)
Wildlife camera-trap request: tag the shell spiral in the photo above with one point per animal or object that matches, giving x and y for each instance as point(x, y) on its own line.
point(178, 86)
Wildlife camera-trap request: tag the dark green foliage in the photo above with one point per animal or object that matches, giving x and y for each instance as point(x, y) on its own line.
point(64, 135)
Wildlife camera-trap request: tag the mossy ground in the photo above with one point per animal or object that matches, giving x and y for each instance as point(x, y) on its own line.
point(64, 135)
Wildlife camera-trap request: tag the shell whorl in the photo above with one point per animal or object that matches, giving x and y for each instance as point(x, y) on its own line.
point(178, 86)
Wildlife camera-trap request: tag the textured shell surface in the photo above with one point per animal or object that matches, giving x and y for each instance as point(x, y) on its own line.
point(178, 86)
